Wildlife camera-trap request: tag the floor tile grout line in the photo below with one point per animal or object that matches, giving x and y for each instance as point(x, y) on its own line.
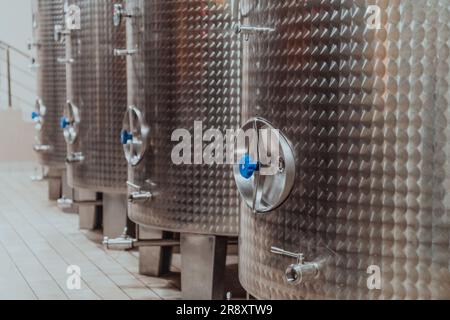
point(118, 262)
point(18, 269)
point(54, 222)
point(62, 258)
point(34, 254)
point(88, 258)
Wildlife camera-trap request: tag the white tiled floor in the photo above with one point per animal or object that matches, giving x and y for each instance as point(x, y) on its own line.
point(38, 242)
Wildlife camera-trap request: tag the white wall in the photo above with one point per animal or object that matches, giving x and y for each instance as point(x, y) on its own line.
point(16, 30)
point(15, 22)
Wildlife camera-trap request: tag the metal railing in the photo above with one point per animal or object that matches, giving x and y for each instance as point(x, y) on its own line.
point(16, 80)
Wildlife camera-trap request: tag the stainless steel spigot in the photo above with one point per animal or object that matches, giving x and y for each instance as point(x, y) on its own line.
point(122, 243)
point(301, 271)
point(138, 195)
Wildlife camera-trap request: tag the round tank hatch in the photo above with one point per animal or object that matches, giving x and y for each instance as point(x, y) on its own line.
point(265, 172)
point(134, 135)
point(38, 115)
point(70, 122)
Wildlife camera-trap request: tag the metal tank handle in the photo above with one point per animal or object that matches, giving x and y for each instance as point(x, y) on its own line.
point(246, 30)
point(301, 271)
point(119, 13)
point(253, 30)
point(65, 60)
point(76, 157)
point(41, 148)
point(124, 52)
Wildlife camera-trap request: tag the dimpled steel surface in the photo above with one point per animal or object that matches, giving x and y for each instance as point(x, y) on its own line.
point(99, 91)
point(51, 79)
point(187, 69)
point(367, 112)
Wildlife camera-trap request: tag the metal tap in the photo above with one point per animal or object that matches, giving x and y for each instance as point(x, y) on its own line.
point(138, 195)
point(301, 271)
point(76, 157)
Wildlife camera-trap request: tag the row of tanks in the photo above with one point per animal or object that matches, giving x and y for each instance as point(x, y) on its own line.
point(352, 205)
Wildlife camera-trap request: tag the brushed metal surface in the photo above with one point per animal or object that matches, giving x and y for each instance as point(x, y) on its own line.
point(367, 112)
point(51, 83)
point(187, 68)
point(98, 89)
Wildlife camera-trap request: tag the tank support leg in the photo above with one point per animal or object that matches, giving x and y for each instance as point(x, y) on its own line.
point(89, 215)
point(115, 218)
point(203, 261)
point(54, 177)
point(154, 261)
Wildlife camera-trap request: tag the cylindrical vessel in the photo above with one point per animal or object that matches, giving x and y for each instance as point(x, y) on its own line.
point(51, 83)
point(186, 69)
point(360, 89)
point(96, 99)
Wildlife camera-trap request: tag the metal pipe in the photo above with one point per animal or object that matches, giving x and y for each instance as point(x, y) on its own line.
point(125, 242)
point(64, 203)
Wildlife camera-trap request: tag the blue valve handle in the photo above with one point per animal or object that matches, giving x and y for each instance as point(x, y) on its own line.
point(248, 167)
point(64, 122)
point(125, 136)
point(34, 115)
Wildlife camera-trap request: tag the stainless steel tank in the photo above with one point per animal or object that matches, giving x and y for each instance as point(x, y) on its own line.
point(96, 102)
point(359, 207)
point(51, 84)
point(184, 66)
